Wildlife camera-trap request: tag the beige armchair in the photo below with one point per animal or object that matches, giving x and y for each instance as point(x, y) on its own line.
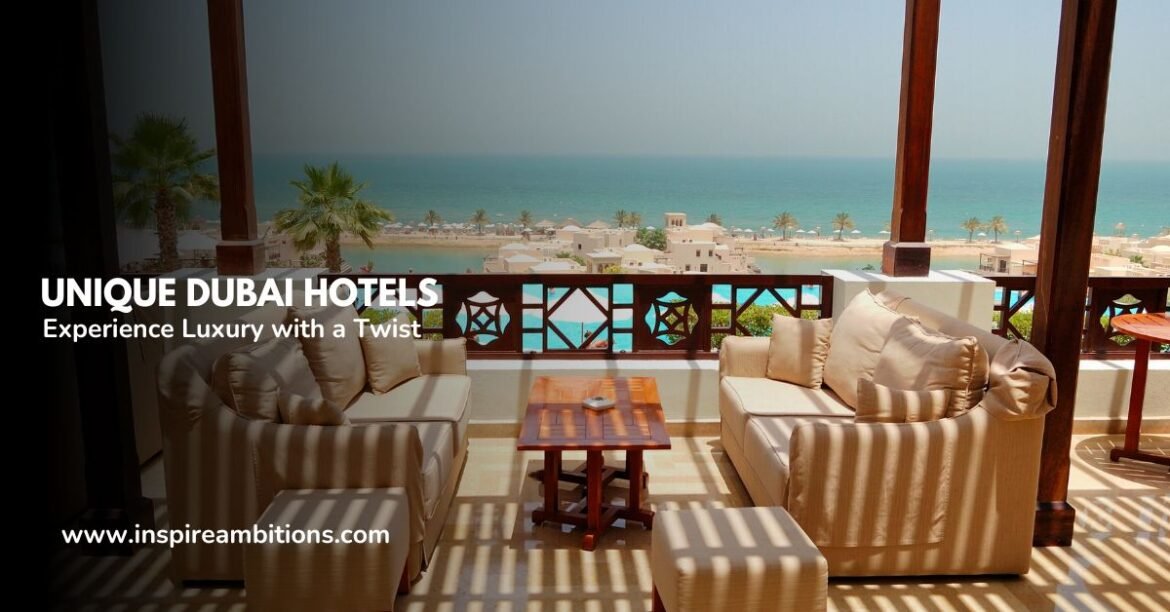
point(222, 470)
point(953, 496)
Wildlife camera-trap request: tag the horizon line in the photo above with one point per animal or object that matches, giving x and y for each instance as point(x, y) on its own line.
point(505, 155)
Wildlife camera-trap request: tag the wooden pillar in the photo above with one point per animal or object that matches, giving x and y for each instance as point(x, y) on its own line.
point(907, 253)
point(1066, 236)
point(240, 250)
point(81, 207)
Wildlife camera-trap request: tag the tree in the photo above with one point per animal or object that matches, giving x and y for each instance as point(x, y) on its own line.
point(525, 218)
point(157, 174)
point(479, 219)
point(634, 219)
point(330, 205)
point(714, 218)
point(651, 238)
point(612, 269)
point(841, 223)
point(972, 225)
point(621, 217)
point(997, 226)
point(432, 218)
point(782, 222)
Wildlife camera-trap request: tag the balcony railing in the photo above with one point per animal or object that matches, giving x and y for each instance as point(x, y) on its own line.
point(612, 315)
point(1107, 297)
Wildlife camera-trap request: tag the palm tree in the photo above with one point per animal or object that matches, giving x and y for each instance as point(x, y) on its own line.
point(972, 225)
point(330, 205)
point(782, 222)
point(841, 223)
point(432, 218)
point(997, 226)
point(621, 217)
point(525, 219)
point(157, 174)
point(634, 219)
point(714, 218)
point(479, 219)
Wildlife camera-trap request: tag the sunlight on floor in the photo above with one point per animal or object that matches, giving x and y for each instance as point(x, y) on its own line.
point(491, 557)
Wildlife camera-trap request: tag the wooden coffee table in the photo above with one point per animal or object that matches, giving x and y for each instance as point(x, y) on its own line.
point(556, 421)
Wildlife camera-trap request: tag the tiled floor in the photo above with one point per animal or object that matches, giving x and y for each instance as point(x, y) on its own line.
point(492, 558)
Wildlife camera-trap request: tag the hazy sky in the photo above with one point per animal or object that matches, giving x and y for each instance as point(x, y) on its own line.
point(751, 77)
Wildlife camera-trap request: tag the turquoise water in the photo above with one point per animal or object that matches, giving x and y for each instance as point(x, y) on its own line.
point(746, 192)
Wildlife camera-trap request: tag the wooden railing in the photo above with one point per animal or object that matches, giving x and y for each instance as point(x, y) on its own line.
point(1108, 296)
point(570, 316)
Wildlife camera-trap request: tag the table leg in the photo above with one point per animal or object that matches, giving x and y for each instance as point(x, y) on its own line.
point(552, 486)
point(593, 465)
point(1133, 422)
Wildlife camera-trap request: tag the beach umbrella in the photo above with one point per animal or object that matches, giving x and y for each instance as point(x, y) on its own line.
point(650, 227)
point(982, 234)
point(577, 308)
point(800, 231)
point(884, 232)
point(748, 231)
point(856, 231)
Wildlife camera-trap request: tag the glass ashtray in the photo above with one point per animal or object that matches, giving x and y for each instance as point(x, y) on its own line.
point(598, 402)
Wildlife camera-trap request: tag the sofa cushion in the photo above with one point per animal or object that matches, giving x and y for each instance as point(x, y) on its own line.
point(431, 397)
point(917, 358)
point(878, 403)
point(300, 410)
point(390, 360)
point(797, 350)
point(765, 446)
point(337, 363)
point(859, 333)
point(1022, 382)
point(438, 444)
point(741, 397)
point(251, 378)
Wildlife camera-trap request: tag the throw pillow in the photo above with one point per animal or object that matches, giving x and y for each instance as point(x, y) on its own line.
point(920, 359)
point(797, 350)
point(881, 404)
point(301, 410)
point(858, 335)
point(337, 363)
point(250, 379)
point(390, 361)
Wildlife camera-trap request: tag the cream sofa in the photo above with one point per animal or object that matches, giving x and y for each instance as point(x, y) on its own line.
point(951, 496)
point(222, 470)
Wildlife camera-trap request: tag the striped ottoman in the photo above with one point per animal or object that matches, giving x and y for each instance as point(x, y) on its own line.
point(330, 576)
point(741, 559)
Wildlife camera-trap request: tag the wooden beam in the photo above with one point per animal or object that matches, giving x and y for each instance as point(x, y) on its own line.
point(240, 250)
point(1066, 236)
point(906, 253)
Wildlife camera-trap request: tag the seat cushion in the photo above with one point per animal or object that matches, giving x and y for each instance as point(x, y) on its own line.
point(916, 358)
point(859, 333)
point(438, 443)
point(765, 446)
point(431, 397)
point(741, 396)
point(797, 350)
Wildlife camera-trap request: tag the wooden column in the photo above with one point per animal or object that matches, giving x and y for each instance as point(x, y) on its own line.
point(1066, 235)
point(240, 250)
point(81, 207)
point(906, 253)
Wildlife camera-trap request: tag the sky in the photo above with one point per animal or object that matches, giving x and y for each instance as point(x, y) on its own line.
point(609, 77)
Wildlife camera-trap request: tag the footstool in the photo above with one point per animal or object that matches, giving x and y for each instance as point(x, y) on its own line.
point(740, 559)
point(318, 575)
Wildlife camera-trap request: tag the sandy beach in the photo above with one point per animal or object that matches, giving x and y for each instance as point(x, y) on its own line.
point(823, 247)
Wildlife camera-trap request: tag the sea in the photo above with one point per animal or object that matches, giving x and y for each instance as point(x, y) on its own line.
point(745, 192)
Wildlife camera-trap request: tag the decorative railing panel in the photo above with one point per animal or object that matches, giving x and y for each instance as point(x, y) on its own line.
point(612, 315)
point(1107, 297)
